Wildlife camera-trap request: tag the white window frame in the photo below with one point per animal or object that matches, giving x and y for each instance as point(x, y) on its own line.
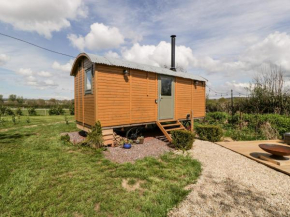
point(89, 91)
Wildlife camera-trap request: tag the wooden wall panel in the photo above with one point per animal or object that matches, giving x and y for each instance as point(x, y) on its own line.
point(183, 97)
point(84, 104)
point(198, 100)
point(89, 100)
point(122, 101)
point(189, 97)
point(113, 96)
point(143, 95)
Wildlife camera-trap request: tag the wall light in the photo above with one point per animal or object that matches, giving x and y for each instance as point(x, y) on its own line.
point(126, 72)
point(196, 83)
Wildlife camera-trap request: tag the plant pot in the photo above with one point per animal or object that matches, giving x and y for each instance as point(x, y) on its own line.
point(141, 140)
point(127, 146)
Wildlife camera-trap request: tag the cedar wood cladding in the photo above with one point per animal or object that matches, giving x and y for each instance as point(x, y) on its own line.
point(84, 103)
point(123, 101)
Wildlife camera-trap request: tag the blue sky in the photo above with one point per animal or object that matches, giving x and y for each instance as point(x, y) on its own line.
point(225, 41)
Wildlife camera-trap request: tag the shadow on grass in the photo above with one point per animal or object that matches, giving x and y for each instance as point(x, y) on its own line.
point(10, 138)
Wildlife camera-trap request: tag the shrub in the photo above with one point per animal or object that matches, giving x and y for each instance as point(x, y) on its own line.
point(31, 111)
point(66, 119)
point(95, 137)
point(72, 109)
point(9, 111)
point(182, 139)
point(13, 119)
point(28, 119)
point(220, 117)
point(3, 110)
point(19, 111)
point(58, 110)
point(209, 132)
point(65, 138)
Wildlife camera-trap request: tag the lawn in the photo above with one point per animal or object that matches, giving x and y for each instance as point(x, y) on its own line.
point(40, 175)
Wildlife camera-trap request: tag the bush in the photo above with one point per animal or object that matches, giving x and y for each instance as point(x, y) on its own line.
point(95, 137)
point(182, 139)
point(31, 111)
point(3, 110)
point(19, 111)
point(58, 110)
point(214, 117)
point(209, 132)
point(9, 111)
point(65, 138)
point(72, 109)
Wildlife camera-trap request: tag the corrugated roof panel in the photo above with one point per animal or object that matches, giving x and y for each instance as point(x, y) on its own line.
point(132, 65)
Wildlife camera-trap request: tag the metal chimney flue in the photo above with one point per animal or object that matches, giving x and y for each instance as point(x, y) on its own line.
point(173, 53)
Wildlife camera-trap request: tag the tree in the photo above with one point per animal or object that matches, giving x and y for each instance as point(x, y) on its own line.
point(40, 102)
point(267, 92)
point(52, 101)
point(20, 100)
point(12, 97)
point(1, 98)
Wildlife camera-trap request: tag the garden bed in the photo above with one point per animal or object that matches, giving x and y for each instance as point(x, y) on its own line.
point(151, 147)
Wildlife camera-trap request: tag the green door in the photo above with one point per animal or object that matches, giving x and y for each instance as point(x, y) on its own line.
point(165, 97)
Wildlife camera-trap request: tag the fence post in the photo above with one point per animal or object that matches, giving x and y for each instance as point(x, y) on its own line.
point(232, 102)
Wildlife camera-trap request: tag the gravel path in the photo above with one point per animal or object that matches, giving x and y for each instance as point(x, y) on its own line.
point(233, 185)
point(151, 147)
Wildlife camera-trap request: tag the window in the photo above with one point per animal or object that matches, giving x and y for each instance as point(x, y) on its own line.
point(88, 84)
point(166, 86)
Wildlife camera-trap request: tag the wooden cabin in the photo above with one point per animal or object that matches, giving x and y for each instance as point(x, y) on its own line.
point(121, 93)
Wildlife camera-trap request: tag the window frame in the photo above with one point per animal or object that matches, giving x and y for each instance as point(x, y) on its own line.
point(89, 91)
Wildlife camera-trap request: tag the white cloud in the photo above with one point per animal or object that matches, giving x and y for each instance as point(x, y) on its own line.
point(100, 37)
point(35, 79)
point(30, 78)
point(50, 83)
point(65, 67)
point(159, 55)
point(43, 17)
point(4, 59)
point(44, 74)
point(274, 49)
point(25, 72)
point(112, 54)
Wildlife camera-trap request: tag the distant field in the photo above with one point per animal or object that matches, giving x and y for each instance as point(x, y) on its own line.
point(40, 111)
point(32, 120)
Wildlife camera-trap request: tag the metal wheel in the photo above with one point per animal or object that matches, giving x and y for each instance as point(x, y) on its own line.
point(133, 133)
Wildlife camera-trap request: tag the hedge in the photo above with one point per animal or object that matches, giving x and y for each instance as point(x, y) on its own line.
point(209, 132)
point(182, 139)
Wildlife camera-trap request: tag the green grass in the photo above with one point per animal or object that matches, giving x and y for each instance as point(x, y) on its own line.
point(34, 120)
point(40, 175)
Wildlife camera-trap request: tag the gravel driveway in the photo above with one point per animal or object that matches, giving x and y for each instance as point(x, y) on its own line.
point(233, 185)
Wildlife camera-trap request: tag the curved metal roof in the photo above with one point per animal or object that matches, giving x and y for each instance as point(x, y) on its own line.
point(132, 65)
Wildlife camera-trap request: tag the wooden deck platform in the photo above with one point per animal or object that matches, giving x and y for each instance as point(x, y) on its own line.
point(252, 150)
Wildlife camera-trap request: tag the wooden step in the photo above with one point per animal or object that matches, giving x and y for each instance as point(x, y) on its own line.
point(170, 125)
point(166, 133)
point(108, 136)
point(167, 120)
point(179, 128)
